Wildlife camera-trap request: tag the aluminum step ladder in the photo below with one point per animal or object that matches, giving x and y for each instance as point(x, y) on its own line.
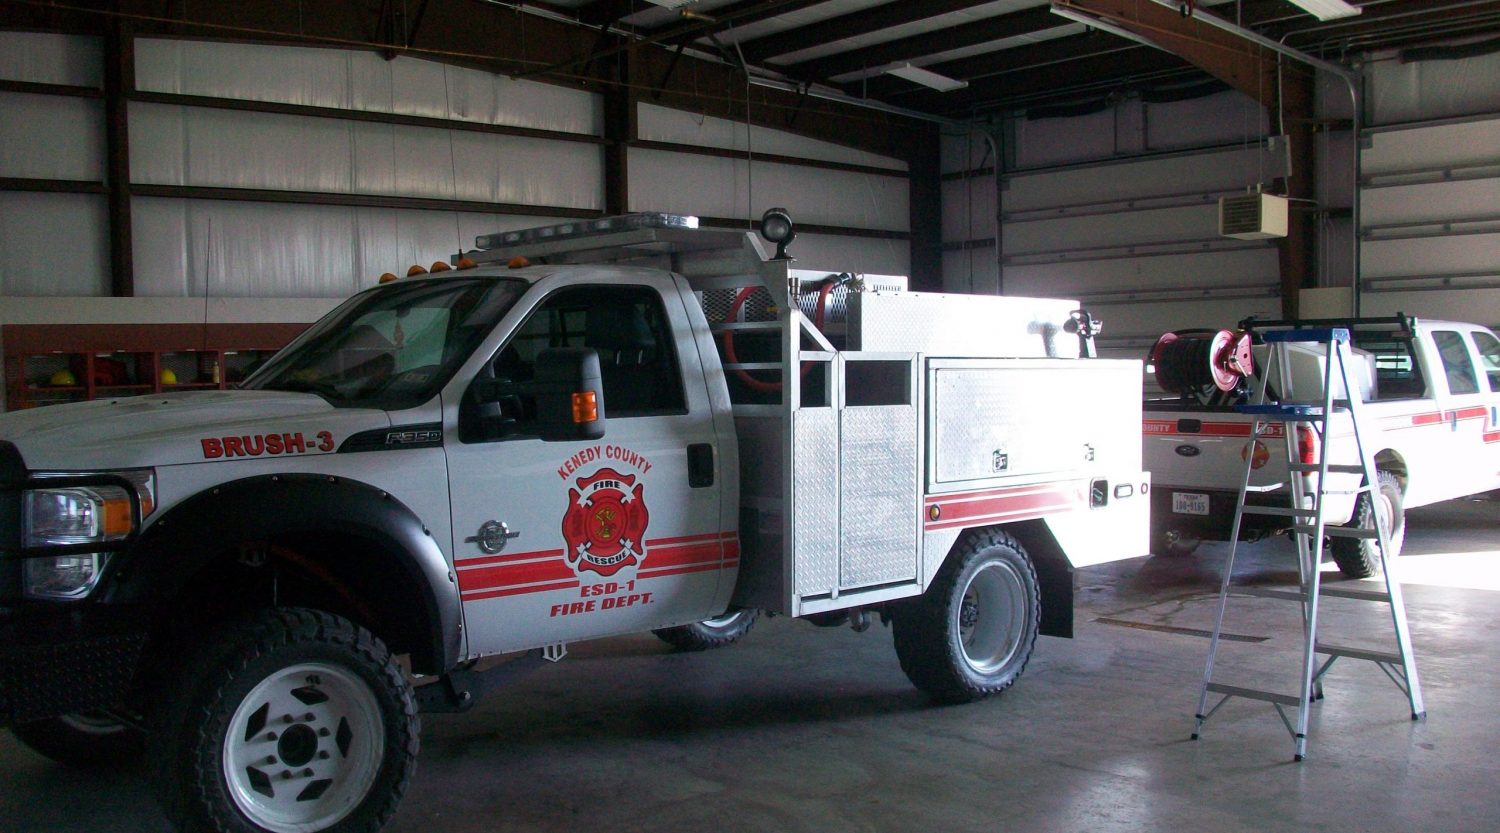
point(1308, 490)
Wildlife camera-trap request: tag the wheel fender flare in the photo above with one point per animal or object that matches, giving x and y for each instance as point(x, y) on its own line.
point(171, 552)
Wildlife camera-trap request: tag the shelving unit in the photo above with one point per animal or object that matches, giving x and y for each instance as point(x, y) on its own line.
point(53, 364)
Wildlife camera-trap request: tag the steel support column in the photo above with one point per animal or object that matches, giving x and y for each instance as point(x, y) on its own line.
point(119, 82)
point(926, 206)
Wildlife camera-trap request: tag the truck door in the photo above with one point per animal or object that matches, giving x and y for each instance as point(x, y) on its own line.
point(1488, 348)
point(1465, 414)
point(560, 541)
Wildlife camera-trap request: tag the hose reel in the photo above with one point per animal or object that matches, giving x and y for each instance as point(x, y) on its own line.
point(1188, 361)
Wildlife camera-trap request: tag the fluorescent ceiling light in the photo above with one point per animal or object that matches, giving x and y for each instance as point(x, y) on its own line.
point(671, 4)
point(917, 75)
point(1326, 9)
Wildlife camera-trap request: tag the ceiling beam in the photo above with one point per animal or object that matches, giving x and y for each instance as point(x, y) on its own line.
point(1023, 22)
point(1093, 74)
point(862, 22)
point(1238, 62)
point(1046, 54)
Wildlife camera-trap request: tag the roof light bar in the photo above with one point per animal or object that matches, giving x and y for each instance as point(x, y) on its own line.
point(584, 228)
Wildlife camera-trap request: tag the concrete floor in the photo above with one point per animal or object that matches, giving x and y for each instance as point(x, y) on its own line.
point(800, 729)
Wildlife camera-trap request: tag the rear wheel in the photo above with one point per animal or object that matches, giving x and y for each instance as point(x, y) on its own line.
point(711, 633)
point(971, 634)
point(1360, 557)
point(85, 739)
point(296, 722)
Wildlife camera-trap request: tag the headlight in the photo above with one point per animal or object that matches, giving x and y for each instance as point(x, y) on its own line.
point(64, 576)
point(78, 515)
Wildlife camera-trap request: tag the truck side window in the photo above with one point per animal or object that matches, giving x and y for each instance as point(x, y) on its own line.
point(1457, 365)
point(625, 324)
point(1397, 376)
point(1489, 357)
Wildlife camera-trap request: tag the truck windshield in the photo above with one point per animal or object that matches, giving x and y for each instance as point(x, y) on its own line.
point(391, 347)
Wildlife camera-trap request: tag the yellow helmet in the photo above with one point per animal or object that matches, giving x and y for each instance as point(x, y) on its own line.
point(168, 376)
point(63, 379)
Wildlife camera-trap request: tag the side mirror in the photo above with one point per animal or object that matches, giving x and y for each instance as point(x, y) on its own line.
point(569, 392)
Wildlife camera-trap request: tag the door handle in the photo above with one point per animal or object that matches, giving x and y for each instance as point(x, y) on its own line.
point(700, 465)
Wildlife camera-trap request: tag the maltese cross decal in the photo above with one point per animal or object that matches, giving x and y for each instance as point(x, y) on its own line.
point(605, 526)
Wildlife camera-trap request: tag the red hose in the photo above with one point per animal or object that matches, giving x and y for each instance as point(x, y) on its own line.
point(729, 353)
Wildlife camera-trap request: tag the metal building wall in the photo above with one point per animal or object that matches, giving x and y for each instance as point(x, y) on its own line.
point(860, 199)
point(1119, 209)
point(1430, 190)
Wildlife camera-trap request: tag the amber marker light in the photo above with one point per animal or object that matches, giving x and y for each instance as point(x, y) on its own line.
point(519, 262)
point(387, 277)
point(585, 407)
point(465, 263)
point(934, 512)
point(439, 266)
point(415, 270)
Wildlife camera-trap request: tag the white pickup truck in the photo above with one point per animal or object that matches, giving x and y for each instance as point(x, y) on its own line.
point(1432, 416)
point(643, 427)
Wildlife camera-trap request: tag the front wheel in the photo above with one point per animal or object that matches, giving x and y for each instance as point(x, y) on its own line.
point(1360, 557)
point(710, 633)
point(296, 722)
point(83, 739)
point(971, 634)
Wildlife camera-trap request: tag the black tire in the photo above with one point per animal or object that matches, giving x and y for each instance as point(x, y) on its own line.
point(87, 740)
point(711, 633)
point(971, 634)
point(1360, 557)
point(331, 745)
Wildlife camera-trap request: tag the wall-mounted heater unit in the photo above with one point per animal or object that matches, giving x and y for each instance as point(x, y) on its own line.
point(1253, 216)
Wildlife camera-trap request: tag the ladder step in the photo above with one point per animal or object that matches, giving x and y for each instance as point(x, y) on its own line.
point(1255, 694)
point(1315, 334)
point(1333, 468)
point(1357, 653)
point(1280, 511)
point(1269, 593)
point(1363, 595)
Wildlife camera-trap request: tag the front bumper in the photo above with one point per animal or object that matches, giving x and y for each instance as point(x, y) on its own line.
point(64, 660)
point(55, 657)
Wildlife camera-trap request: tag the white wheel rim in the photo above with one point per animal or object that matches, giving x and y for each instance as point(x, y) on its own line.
point(991, 617)
point(724, 621)
point(303, 748)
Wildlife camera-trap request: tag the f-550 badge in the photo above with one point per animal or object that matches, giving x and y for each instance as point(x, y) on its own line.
point(605, 526)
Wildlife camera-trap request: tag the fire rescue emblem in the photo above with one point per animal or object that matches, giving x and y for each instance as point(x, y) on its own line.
point(606, 523)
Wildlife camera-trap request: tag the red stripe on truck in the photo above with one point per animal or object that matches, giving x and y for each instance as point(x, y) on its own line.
point(1017, 503)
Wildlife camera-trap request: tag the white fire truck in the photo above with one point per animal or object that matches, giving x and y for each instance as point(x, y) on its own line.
point(1432, 418)
point(589, 429)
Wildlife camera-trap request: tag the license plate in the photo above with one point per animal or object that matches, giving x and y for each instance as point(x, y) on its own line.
point(1189, 503)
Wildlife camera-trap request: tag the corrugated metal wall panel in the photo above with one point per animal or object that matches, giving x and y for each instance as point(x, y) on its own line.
point(1203, 272)
point(851, 254)
point(51, 137)
point(1225, 117)
point(1216, 170)
point(1431, 202)
point(690, 184)
point(969, 208)
point(48, 58)
point(1127, 228)
point(177, 145)
point(664, 124)
point(1431, 256)
point(973, 271)
point(1467, 143)
point(53, 244)
point(964, 152)
point(349, 79)
point(291, 251)
point(1430, 89)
